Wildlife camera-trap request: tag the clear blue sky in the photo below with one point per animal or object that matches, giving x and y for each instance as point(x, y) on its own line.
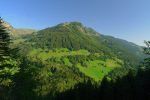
point(126, 19)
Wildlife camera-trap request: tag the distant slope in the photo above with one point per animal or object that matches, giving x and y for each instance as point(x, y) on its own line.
point(124, 49)
point(21, 32)
point(15, 33)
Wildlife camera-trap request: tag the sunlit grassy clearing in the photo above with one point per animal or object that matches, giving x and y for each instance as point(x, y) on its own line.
point(97, 69)
point(45, 54)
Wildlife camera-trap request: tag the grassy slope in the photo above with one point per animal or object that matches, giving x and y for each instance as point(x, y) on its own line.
point(45, 54)
point(95, 69)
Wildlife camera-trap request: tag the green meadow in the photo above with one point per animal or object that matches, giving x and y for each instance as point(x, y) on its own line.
point(95, 69)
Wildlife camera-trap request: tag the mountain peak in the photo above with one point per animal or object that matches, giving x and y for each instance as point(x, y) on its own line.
point(76, 23)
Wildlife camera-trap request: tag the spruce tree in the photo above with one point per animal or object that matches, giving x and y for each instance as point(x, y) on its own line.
point(8, 65)
point(4, 41)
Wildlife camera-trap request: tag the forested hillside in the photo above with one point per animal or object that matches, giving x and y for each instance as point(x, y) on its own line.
point(70, 61)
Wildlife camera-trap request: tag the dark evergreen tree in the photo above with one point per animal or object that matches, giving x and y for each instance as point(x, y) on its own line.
point(8, 66)
point(4, 41)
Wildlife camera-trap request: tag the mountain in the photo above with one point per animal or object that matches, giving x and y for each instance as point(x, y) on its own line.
point(68, 35)
point(15, 32)
point(56, 59)
point(21, 32)
point(75, 36)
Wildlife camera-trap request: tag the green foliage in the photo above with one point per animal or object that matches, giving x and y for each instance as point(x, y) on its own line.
point(46, 54)
point(10, 68)
point(97, 69)
point(90, 64)
point(146, 64)
point(8, 65)
point(69, 36)
point(4, 41)
point(74, 36)
point(67, 57)
point(129, 52)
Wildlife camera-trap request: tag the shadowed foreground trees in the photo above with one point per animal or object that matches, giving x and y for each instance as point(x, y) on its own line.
point(129, 87)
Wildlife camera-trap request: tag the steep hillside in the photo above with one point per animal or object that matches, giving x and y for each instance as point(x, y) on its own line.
point(73, 36)
point(128, 51)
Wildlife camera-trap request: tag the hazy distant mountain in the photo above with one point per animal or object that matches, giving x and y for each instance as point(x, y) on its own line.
point(15, 32)
point(21, 32)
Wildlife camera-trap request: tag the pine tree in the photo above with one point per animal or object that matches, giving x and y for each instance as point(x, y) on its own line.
point(8, 65)
point(4, 41)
